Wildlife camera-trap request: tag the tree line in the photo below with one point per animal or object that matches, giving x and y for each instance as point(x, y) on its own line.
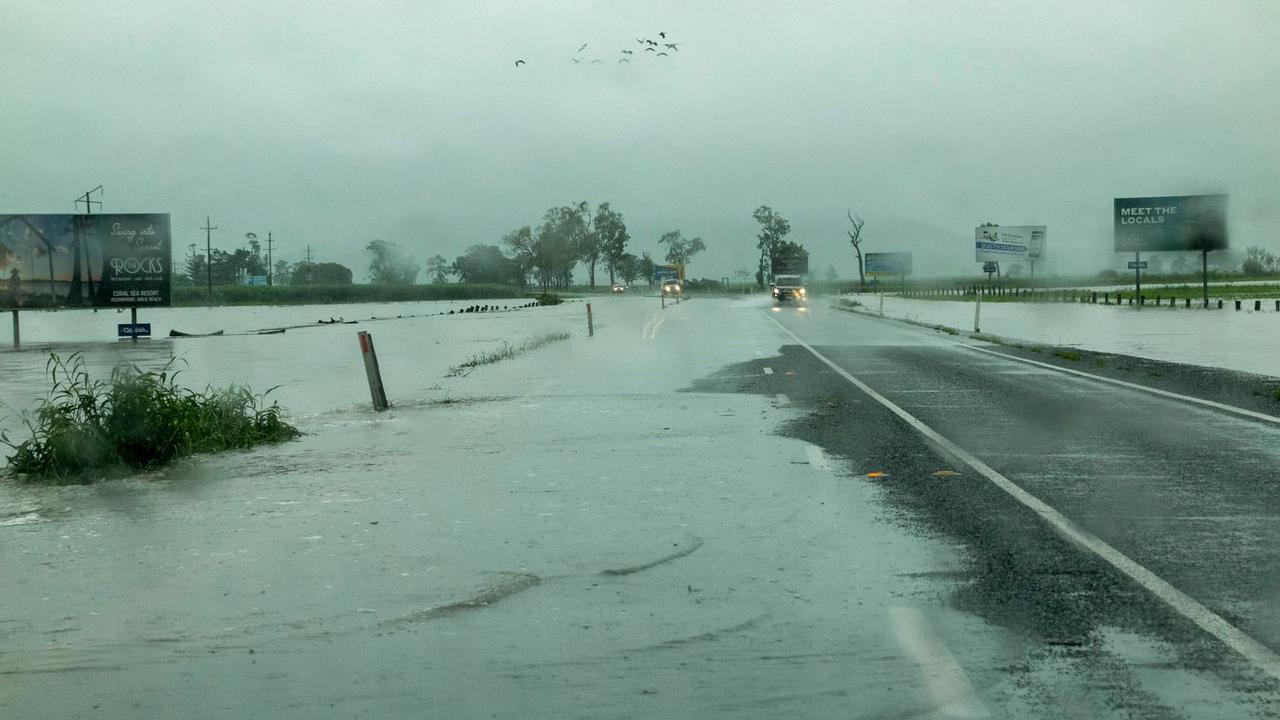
point(547, 254)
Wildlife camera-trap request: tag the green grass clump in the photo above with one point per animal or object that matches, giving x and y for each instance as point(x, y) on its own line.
point(549, 299)
point(136, 420)
point(1068, 355)
point(506, 352)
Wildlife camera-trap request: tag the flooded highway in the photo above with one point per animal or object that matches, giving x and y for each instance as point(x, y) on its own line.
point(687, 515)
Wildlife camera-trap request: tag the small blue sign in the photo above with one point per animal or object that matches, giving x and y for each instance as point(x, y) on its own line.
point(133, 330)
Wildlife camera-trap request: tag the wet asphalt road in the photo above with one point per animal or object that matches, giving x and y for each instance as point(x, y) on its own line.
point(1188, 492)
point(672, 519)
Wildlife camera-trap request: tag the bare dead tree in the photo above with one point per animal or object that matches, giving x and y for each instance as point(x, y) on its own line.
point(855, 238)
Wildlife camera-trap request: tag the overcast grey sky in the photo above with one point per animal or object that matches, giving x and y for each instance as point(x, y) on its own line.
point(335, 123)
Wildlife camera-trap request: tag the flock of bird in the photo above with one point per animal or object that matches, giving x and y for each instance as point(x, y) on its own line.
point(659, 48)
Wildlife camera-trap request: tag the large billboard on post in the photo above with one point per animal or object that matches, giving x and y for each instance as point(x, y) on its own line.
point(891, 263)
point(1179, 222)
point(108, 260)
point(993, 243)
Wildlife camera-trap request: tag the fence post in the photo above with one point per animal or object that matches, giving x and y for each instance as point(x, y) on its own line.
point(372, 372)
point(591, 328)
point(17, 335)
point(1237, 304)
point(664, 299)
point(1257, 306)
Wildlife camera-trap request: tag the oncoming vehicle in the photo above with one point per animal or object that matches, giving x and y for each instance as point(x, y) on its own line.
point(671, 286)
point(789, 287)
point(617, 288)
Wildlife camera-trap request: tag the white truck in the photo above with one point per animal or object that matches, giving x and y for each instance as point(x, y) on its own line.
point(789, 287)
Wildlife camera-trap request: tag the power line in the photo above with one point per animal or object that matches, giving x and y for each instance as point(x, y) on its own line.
point(88, 202)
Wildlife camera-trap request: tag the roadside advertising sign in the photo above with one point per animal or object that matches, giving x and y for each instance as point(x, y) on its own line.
point(1185, 222)
point(894, 263)
point(790, 264)
point(109, 260)
point(133, 330)
point(665, 272)
point(994, 243)
point(989, 267)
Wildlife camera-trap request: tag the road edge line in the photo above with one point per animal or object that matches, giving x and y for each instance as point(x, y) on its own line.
point(1255, 652)
point(1234, 410)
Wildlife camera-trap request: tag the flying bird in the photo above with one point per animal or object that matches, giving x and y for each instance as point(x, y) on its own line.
point(648, 49)
point(623, 60)
point(576, 60)
point(597, 62)
point(641, 41)
point(662, 54)
point(627, 52)
point(662, 35)
point(584, 47)
point(519, 63)
point(672, 46)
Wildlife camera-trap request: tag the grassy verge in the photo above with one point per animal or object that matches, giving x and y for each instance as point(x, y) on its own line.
point(135, 420)
point(506, 352)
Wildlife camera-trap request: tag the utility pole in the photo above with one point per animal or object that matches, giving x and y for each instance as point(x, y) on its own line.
point(309, 268)
point(269, 269)
point(88, 202)
point(208, 256)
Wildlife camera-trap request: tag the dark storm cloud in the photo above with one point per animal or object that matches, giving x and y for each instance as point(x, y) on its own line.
point(332, 125)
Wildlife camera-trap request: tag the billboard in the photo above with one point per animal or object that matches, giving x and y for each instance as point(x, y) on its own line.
point(794, 264)
point(666, 272)
point(1181, 222)
point(109, 260)
point(994, 243)
point(895, 263)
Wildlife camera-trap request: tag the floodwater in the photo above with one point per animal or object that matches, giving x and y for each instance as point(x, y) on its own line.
point(569, 533)
point(1238, 340)
point(563, 533)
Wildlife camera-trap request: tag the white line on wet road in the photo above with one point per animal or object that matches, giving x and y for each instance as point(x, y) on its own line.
point(943, 677)
point(817, 458)
point(1261, 656)
point(768, 371)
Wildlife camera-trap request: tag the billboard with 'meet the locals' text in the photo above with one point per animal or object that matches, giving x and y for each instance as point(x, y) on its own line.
point(67, 261)
point(1171, 223)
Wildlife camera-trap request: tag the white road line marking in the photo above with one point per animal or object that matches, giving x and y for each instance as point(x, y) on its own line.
point(1122, 383)
point(1255, 652)
point(768, 371)
point(817, 458)
point(943, 677)
point(783, 399)
point(1134, 386)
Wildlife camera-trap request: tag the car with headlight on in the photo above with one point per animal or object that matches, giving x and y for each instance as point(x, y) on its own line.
point(672, 287)
point(789, 288)
point(617, 288)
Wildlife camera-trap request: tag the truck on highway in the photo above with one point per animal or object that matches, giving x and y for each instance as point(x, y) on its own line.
point(789, 287)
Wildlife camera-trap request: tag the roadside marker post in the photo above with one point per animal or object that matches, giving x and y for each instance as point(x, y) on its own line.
point(372, 371)
point(664, 299)
point(977, 312)
point(17, 335)
point(591, 329)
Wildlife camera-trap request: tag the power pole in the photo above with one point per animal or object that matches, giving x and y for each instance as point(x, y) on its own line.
point(269, 270)
point(309, 268)
point(208, 256)
point(88, 202)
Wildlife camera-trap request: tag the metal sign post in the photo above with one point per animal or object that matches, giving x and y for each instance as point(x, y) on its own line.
point(17, 336)
point(1204, 275)
point(1136, 265)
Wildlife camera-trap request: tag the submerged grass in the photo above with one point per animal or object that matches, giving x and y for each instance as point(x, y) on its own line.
point(506, 352)
point(135, 420)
